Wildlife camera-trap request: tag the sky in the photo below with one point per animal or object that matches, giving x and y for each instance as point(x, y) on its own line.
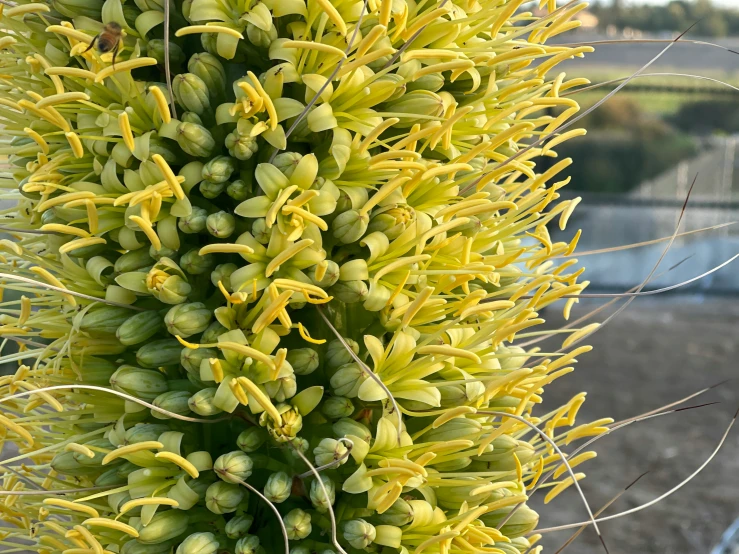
point(723, 3)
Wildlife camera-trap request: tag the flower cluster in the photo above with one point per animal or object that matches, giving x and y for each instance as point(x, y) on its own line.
point(276, 298)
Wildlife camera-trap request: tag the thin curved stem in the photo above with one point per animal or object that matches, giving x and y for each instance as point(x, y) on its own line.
point(272, 507)
point(116, 393)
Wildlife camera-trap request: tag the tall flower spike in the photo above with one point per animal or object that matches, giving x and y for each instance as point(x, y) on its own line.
point(275, 231)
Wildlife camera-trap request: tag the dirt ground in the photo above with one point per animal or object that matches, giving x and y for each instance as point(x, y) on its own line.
point(656, 352)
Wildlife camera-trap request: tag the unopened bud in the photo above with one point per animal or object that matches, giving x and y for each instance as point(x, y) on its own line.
point(138, 328)
point(278, 487)
point(248, 544)
point(251, 439)
point(337, 407)
point(198, 543)
point(191, 92)
point(193, 223)
point(209, 69)
point(303, 360)
point(359, 533)
point(350, 226)
point(222, 273)
point(330, 451)
point(163, 527)
point(233, 467)
point(141, 383)
point(239, 190)
point(221, 224)
point(219, 169)
point(239, 526)
point(347, 380)
point(298, 524)
point(318, 497)
point(202, 402)
point(175, 401)
point(195, 264)
point(187, 319)
point(223, 498)
point(195, 139)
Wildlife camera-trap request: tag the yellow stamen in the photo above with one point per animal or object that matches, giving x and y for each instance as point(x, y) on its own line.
point(111, 524)
point(262, 398)
point(130, 449)
point(161, 102)
point(151, 501)
point(38, 139)
point(304, 333)
point(81, 243)
point(128, 65)
point(169, 176)
point(75, 143)
point(80, 449)
point(318, 46)
point(224, 248)
point(286, 254)
point(67, 505)
point(148, 230)
point(194, 29)
point(126, 133)
point(190, 469)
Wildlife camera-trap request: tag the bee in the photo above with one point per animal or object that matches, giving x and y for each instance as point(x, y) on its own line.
point(109, 39)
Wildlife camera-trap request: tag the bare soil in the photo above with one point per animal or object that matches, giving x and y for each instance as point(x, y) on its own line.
point(654, 353)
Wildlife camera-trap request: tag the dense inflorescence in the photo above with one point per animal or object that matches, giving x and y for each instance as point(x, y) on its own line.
point(283, 288)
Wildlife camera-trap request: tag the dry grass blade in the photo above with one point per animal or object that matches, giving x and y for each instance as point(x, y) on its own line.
point(641, 244)
point(60, 491)
point(331, 515)
point(371, 374)
point(21, 477)
point(659, 498)
point(614, 81)
point(272, 507)
point(167, 72)
point(556, 448)
point(67, 291)
point(646, 41)
point(26, 231)
point(599, 512)
point(116, 393)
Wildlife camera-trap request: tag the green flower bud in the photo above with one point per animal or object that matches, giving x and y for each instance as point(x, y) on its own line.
point(400, 513)
point(191, 117)
point(299, 444)
point(292, 423)
point(163, 527)
point(248, 545)
point(143, 432)
point(195, 139)
point(223, 498)
point(160, 353)
point(349, 226)
point(195, 264)
point(419, 102)
point(75, 8)
point(222, 273)
point(66, 464)
point(141, 383)
point(286, 162)
point(193, 223)
point(138, 328)
point(167, 282)
point(346, 426)
point(209, 69)
point(330, 276)
point(350, 292)
point(135, 260)
point(110, 478)
point(175, 401)
point(303, 360)
point(187, 319)
point(251, 439)
point(347, 380)
point(191, 358)
point(233, 466)
point(392, 220)
point(278, 487)
point(155, 49)
point(298, 524)
point(198, 543)
point(202, 402)
point(300, 549)
point(336, 407)
point(239, 190)
point(221, 224)
point(105, 319)
point(219, 169)
point(211, 190)
point(329, 451)
point(259, 37)
point(260, 231)
point(135, 547)
point(281, 389)
point(213, 331)
point(359, 533)
point(238, 526)
point(318, 497)
point(459, 428)
point(240, 142)
point(191, 92)
point(337, 355)
point(523, 520)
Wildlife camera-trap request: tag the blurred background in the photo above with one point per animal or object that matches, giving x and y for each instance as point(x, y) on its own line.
point(644, 148)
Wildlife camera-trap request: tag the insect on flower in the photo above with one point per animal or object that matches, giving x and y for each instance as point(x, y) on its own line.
point(109, 39)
